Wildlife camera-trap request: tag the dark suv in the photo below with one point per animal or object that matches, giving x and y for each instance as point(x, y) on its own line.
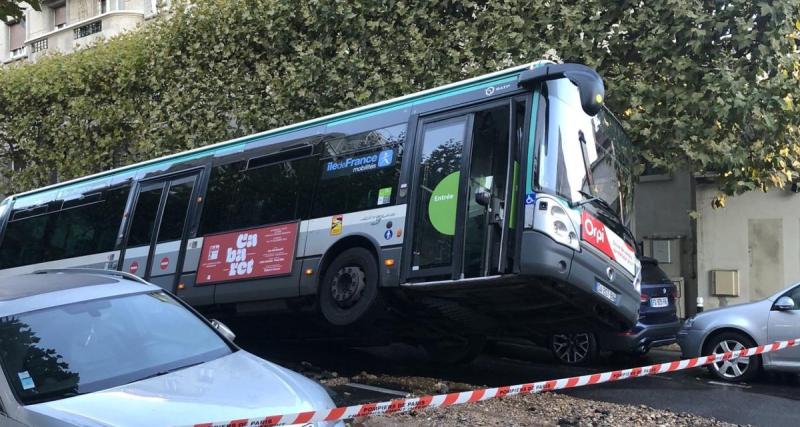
point(658, 320)
point(658, 324)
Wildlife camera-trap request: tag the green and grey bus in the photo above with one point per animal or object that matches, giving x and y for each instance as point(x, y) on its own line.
point(497, 205)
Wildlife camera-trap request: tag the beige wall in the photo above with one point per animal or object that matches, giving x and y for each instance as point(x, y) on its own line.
point(121, 15)
point(757, 234)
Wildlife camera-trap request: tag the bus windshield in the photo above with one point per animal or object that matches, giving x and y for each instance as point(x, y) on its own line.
point(583, 157)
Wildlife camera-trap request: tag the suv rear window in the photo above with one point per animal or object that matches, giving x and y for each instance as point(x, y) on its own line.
point(651, 273)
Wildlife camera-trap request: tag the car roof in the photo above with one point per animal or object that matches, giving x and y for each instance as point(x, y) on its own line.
point(648, 260)
point(36, 291)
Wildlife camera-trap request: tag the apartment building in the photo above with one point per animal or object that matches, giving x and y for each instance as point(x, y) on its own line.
point(67, 25)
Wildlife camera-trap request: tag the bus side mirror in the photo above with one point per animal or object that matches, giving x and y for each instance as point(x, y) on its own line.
point(483, 197)
point(590, 84)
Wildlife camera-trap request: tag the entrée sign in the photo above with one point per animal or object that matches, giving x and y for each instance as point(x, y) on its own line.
point(247, 254)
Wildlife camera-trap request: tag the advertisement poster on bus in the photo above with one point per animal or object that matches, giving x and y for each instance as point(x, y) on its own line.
point(248, 254)
point(607, 241)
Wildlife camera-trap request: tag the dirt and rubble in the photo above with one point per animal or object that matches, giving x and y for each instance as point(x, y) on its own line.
point(547, 409)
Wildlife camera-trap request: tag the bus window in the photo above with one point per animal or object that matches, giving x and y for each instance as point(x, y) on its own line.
point(83, 227)
point(175, 211)
point(439, 172)
point(23, 242)
point(89, 228)
point(487, 173)
point(360, 172)
point(144, 217)
point(239, 198)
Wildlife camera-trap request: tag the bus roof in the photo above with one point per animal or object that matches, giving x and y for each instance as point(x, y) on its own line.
point(107, 178)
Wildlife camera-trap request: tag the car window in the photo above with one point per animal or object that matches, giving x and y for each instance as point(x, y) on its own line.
point(94, 345)
point(651, 273)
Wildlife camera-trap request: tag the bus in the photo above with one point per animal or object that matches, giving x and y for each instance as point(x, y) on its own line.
point(498, 205)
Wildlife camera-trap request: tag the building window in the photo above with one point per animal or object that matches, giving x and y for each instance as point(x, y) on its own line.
point(103, 6)
point(88, 29)
point(17, 38)
point(39, 45)
point(60, 16)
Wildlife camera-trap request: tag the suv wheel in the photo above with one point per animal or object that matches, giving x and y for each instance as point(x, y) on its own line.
point(574, 348)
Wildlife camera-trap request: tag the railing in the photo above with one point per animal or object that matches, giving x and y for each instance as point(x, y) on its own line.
point(87, 30)
point(39, 45)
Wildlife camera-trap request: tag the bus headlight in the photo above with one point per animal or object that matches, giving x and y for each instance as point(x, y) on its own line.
point(637, 279)
point(552, 219)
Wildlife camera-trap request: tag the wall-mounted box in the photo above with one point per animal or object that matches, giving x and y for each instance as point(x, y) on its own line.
point(725, 283)
point(662, 251)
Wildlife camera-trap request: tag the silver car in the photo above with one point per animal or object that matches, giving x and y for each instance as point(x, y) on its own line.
point(82, 348)
point(776, 318)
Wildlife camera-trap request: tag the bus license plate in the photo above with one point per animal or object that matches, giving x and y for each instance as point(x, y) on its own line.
point(604, 291)
point(659, 302)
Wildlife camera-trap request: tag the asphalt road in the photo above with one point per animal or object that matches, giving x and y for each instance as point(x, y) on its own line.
point(773, 400)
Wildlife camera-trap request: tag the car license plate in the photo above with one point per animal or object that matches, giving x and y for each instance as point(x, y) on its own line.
point(604, 291)
point(659, 302)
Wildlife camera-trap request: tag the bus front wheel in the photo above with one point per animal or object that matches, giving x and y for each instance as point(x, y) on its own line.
point(349, 291)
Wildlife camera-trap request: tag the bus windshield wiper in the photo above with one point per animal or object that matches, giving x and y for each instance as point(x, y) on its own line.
point(596, 200)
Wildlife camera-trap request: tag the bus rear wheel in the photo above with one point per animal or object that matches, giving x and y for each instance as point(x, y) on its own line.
point(349, 290)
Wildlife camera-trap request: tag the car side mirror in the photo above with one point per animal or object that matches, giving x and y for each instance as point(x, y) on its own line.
point(784, 304)
point(223, 329)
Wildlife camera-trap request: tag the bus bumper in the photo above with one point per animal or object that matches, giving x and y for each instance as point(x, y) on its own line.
point(580, 273)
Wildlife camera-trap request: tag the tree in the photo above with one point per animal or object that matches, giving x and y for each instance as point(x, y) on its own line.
point(708, 85)
point(14, 8)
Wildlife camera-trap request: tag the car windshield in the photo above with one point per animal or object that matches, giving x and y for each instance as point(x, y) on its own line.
point(88, 346)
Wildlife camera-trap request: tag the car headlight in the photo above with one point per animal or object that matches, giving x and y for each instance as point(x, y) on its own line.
point(689, 322)
point(552, 219)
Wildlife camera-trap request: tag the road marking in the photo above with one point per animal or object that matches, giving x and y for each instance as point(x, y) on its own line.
point(378, 389)
point(729, 384)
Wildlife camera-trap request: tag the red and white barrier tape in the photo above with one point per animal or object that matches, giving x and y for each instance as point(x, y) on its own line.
point(442, 400)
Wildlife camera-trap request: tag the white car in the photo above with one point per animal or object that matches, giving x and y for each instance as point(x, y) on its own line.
point(94, 348)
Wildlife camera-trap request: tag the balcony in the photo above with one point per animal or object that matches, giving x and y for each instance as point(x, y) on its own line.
point(83, 33)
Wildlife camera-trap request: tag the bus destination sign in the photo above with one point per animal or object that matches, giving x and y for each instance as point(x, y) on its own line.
point(248, 254)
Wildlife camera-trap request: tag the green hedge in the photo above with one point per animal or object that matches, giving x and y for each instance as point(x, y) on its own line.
point(695, 84)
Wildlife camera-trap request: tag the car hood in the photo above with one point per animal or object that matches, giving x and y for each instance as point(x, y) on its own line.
point(746, 306)
point(235, 386)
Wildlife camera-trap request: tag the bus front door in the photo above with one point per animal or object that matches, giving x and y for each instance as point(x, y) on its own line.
point(156, 230)
point(463, 191)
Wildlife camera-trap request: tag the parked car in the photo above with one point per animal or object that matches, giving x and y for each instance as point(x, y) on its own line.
point(94, 348)
point(741, 326)
point(657, 326)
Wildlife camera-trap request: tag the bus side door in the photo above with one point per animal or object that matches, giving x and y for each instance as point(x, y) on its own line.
point(157, 226)
point(464, 193)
